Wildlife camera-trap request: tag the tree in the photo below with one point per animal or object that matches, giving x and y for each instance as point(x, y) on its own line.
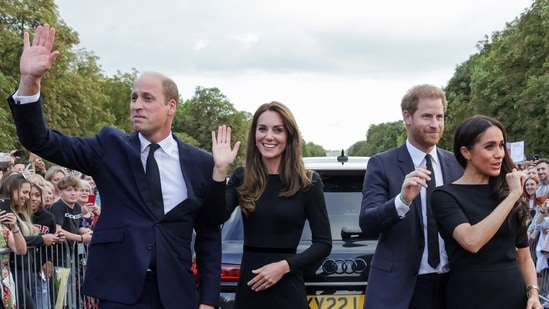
point(379, 138)
point(507, 80)
point(204, 112)
point(312, 150)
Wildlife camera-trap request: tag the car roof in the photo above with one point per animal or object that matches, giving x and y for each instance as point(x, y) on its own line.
point(332, 163)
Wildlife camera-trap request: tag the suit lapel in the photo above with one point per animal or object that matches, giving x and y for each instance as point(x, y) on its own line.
point(185, 159)
point(138, 172)
point(446, 167)
point(407, 166)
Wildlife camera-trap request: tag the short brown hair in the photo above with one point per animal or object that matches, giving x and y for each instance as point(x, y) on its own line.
point(411, 98)
point(69, 181)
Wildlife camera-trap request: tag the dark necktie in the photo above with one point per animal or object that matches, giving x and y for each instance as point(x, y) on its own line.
point(153, 177)
point(432, 231)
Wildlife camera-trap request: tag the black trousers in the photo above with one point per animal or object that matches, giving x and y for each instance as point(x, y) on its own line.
point(430, 292)
point(150, 299)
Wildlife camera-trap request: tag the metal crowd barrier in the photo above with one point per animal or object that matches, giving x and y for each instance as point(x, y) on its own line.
point(47, 277)
point(543, 274)
point(50, 277)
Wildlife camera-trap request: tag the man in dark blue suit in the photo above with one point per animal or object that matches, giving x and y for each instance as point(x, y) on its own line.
point(139, 256)
point(394, 207)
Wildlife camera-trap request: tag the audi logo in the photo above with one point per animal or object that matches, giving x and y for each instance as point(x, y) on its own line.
point(343, 266)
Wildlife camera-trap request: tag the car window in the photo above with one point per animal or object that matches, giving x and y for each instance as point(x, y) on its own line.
point(343, 195)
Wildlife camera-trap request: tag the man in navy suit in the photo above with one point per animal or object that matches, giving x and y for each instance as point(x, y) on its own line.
point(139, 256)
point(394, 208)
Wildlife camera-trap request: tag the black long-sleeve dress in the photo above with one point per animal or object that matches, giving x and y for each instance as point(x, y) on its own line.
point(491, 277)
point(272, 233)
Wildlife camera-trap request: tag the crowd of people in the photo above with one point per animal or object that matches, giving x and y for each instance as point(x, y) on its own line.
point(53, 210)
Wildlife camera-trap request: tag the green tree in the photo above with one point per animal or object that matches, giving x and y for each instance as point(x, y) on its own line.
point(507, 80)
point(73, 102)
point(379, 138)
point(312, 150)
point(204, 112)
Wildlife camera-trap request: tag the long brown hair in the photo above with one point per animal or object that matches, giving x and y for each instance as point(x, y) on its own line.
point(292, 170)
point(11, 187)
point(467, 135)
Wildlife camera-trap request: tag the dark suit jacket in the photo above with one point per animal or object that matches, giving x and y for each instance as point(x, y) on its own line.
point(398, 254)
point(127, 230)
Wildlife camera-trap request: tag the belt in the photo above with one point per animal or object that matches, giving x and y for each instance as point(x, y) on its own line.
point(269, 250)
point(433, 276)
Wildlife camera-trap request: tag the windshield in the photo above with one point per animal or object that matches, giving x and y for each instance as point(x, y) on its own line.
point(343, 195)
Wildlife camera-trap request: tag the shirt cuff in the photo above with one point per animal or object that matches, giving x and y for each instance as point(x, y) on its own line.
point(401, 208)
point(23, 99)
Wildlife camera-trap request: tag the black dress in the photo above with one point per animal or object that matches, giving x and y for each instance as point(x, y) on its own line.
point(271, 233)
point(491, 277)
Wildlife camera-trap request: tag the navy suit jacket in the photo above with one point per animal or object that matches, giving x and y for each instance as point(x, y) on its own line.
point(395, 264)
point(127, 230)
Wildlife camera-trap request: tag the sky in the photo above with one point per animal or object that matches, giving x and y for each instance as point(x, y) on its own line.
point(340, 66)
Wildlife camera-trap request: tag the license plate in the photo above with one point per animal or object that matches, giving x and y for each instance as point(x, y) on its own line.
point(335, 301)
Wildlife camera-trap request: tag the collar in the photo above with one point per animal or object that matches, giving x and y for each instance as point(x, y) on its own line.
point(418, 156)
point(166, 144)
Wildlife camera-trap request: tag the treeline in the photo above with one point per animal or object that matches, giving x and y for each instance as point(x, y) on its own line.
point(80, 98)
point(507, 78)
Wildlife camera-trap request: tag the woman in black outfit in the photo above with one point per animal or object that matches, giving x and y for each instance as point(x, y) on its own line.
point(482, 219)
point(44, 221)
point(276, 195)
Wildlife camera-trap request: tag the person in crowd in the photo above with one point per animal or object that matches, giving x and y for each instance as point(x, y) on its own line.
point(37, 179)
point(20, 168)
point(394, 207)
point(39, 166)
point(542, 168)
point(10, 237)
point(149, 211)
point(44, 222)
point(53, 175)
point(90, 211)
point(18, 189)
point(529, 198)
point(530, 186)
point(49, 194)
point(68, 213)
point(94, 190)
point(482, 219)
point(276, 195)
point(541, 228)
point(69, 221)
point(531, 171)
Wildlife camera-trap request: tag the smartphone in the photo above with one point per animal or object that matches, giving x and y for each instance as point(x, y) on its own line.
point(5, 205)
point(91, 198)
point(19, 153)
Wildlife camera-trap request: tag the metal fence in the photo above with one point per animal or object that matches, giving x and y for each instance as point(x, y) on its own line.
point(50, 277)
point(47, 277)
point(543, 272)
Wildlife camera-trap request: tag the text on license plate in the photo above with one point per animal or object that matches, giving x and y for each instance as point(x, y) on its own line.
point(335, 301)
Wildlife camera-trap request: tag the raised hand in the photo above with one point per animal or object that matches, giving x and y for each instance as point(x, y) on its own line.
point(515, 180)
point(413, 182)
point(37, 59)
point(222, 152)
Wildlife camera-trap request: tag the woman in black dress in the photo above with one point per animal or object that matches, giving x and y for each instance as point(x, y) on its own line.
point(483, 223)
point(276, 195)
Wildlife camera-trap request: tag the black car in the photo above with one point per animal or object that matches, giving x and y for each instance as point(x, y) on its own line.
point(339, 281)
